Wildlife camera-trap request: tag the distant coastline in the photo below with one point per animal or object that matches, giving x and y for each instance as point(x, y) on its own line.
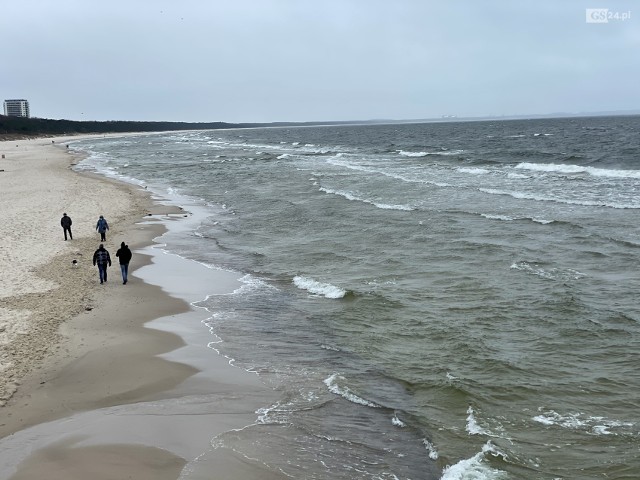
point(20, 128)
point(23, 128)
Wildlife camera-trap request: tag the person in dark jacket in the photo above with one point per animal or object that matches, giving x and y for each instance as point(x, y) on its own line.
point(124, 255)
point(65, 222)
point(102, 226)
point(102, 259)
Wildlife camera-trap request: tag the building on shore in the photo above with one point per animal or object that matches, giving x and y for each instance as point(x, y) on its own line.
point(16, 108)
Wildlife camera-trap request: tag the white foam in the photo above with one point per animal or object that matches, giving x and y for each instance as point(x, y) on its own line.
point(474, 171)
point(397, 422)
point(329, 347)
point(273, 414)
point(594, 425)
point(347, 195)
point(333, 161)
point(542, 221)
point(568, 201)
point(387, 206)
point(575, 169)
point(354, 198)
point(317, 288)
point(505, 218)
point(332, 384)
point(433, 453)
point(550, 273)
point(472, 424)
point(426, 154)
point(474, 468)
point(413, 154)
point(251, 284)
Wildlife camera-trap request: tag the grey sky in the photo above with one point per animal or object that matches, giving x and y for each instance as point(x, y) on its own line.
point(298, 60)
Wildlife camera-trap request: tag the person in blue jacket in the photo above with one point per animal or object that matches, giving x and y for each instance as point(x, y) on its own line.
point(102, 226)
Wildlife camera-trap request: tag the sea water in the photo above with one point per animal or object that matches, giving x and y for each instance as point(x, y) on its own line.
point(438, 300)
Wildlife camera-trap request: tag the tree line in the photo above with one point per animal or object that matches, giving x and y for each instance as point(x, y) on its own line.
point(44, 126)
point(22, 126)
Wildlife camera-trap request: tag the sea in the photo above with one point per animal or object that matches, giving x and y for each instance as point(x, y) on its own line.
point(446, 300)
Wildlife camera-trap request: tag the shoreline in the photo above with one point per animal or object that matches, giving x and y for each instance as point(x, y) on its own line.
point(38, 281)
point(103, 355)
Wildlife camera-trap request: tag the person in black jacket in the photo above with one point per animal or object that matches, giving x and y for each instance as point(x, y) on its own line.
point(102, 259)
point(65, 222)
point(124, 254)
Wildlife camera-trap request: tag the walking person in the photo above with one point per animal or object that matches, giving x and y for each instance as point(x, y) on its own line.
point(102, 226)
point(66, 222)
point(102, 259)
point(124, 255)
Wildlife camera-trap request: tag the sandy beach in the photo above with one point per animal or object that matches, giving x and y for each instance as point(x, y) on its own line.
point(88, 386)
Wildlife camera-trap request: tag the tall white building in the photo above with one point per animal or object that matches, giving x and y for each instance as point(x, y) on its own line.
point(16, 108)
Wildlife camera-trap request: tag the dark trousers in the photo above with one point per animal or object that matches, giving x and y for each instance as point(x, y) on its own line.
point(65, 233)
point(102, 270)
point(124, 268)
point(103, 236)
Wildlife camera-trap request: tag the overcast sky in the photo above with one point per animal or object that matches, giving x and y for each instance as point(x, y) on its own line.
point(303, 60)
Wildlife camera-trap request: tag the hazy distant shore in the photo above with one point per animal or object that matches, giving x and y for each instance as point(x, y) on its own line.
point(16, 128)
